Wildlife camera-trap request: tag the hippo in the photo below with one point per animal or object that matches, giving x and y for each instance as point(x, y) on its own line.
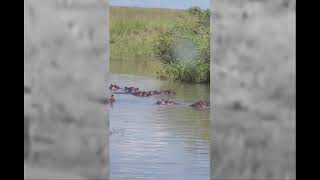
point(167, 92)
point(138, 93)
point(142, 93)
point(110, 99)
point(151, 93)
point(156, 92)
point(131, 89)
point(166, 103)
point(114, 87)
point(146, 94)
point(202, 105)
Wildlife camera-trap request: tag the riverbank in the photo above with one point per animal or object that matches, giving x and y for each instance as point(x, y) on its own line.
point(156, 37)
point(133, 30)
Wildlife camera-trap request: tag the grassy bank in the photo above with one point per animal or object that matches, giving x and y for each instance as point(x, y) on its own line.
point(133, 30)
point(141, 35)
point(185, 48)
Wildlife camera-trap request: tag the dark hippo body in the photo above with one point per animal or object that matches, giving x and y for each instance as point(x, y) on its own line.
point(110, 99)
point(114, 87)
point(136, 92)
point(167, 92)
point(140, 93)
point(166, 103)
point(202, 105)
point(145, 93)
point(131, 89)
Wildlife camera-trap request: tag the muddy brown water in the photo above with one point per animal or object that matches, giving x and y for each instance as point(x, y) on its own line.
point(153, 142)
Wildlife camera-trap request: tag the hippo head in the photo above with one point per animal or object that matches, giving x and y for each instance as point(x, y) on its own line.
point(162, 102)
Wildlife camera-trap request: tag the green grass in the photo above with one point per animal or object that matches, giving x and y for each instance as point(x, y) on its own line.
point(185, 48)
point(139, 35)
point(133, 30)
point(188, 39)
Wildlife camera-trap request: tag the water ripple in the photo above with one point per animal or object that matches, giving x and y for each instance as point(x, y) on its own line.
point(152, 142)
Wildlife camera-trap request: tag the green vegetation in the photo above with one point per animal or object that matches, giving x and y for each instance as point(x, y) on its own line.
point(176, 41)
point(133, 31)
point(185, 48)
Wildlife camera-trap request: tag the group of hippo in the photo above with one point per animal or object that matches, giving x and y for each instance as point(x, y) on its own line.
point(201, 105)
point(136, 92)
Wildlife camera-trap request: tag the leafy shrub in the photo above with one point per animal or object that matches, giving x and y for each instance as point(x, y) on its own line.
point(185, 48)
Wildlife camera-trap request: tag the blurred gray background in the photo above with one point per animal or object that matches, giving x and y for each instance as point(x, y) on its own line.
point(65, 74)
point(253, 89)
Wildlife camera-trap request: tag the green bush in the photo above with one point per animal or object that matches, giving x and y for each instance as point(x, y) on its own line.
point(164, 47)
point(188, 72)
point(185, 48)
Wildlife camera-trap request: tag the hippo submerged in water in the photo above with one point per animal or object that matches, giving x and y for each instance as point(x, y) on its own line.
point(110, 99)
point(152, 93)
point(167, 92)
point(161, 93)
point(114, 87)
point(136, 92)
point(145, 93)
point(166, 103)
point(131, 89)
point(202, 105)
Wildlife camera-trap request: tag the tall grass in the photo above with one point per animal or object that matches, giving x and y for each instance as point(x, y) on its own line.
point(179, 39)
point(133, 30)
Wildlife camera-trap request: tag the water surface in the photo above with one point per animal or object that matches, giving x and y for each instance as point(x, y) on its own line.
point(158, 143)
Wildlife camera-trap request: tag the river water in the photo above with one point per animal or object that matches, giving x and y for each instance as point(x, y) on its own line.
point(150, 142)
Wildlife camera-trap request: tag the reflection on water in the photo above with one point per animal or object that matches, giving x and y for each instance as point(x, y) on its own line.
point(158, 143)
